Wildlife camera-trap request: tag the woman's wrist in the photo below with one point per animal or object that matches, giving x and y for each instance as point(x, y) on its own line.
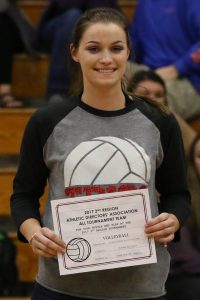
point(29, 228)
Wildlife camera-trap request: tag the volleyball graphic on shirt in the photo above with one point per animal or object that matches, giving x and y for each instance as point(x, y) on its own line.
point(107, 160)
point(78, 249)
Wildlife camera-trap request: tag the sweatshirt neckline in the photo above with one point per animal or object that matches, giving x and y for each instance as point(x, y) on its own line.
point(129, 105)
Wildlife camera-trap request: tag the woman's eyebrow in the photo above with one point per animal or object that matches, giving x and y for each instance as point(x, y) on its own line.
point(113, 43)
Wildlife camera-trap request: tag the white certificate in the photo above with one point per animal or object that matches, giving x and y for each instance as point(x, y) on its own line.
point(103, 231)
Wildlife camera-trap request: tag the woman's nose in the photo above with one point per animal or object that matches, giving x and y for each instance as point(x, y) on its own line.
point(106, 57)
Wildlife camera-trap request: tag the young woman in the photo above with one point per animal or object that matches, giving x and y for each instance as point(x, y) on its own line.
point(101, 111)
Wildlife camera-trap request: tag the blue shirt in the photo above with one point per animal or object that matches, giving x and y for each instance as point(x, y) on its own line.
point(168, 32)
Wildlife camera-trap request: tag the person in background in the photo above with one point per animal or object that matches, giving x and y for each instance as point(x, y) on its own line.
point(166, 39)
point(185, 254)
point(184, 277)
point(16, 35)
point(55, 143)
point(149, 84)
point(194, 170)
point(54, 35)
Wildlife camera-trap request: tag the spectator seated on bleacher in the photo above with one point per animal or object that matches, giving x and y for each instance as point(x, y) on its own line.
point(166, 39)
point(149, 84)
point(16, 35)
point(183, 281)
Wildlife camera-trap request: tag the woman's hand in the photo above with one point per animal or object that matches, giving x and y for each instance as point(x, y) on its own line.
point(45, 242)
point(162, 228)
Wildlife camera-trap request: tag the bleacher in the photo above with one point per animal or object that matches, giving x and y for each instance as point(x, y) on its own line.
point(12, 126)
point(29, 81)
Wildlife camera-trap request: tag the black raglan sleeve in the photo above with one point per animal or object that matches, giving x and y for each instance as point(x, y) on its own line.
point(171, 178)
point(31, 176)
point(32, 173)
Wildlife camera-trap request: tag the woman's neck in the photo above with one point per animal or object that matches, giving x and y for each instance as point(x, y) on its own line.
point(104, 100)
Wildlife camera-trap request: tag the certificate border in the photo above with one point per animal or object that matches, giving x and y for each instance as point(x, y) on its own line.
point(101, 198)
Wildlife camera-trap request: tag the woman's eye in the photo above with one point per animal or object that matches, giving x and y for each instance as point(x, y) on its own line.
point(117, 49)
point(159, 95)
point(93, 49)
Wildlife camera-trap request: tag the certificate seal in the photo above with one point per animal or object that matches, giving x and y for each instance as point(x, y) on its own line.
point(78, 249)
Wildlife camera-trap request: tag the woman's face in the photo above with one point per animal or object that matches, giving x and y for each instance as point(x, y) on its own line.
point(102, 54)
point(151, 89)
point(197, 157)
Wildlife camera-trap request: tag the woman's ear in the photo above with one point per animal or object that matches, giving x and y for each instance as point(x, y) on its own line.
point(128, 53)
point(73, 52)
